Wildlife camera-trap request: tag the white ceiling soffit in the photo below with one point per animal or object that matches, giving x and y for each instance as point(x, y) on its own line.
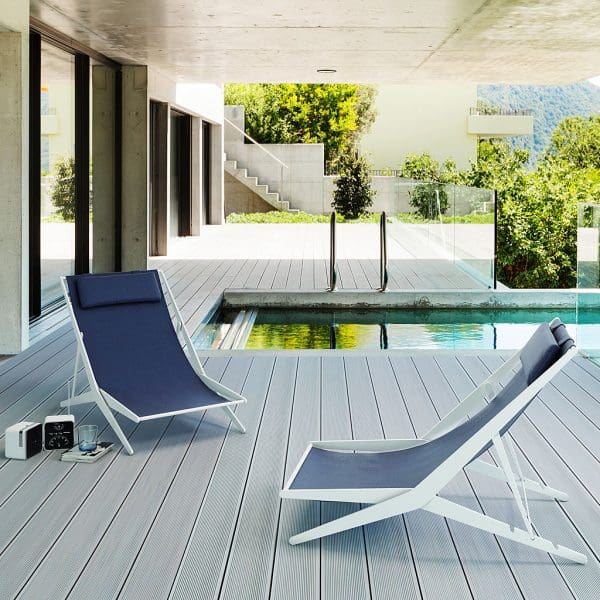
point(379, 41)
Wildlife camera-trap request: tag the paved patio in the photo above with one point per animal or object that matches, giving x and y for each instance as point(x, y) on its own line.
point(195, 512)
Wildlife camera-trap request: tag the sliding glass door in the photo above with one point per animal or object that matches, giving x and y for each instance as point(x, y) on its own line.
point(57, 170)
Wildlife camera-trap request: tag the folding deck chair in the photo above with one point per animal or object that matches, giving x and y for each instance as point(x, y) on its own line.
point(136, 351)
point(399, 476)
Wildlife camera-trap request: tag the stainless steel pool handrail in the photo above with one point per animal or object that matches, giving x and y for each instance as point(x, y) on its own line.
point(332, 257)
point(383, 257)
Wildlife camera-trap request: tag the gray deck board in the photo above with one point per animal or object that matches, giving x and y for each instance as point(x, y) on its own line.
point(296, 570)
point(344, 571)
point(195, 512)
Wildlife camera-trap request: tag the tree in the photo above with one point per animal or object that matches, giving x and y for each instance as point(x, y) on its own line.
point(353, 194)
point(537, 210)
point(423, 167)
point(289, 113)
point(431, 198)
point(63, 192)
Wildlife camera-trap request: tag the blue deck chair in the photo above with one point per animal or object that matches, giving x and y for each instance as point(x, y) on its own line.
point(399, 476)
point(136, 352)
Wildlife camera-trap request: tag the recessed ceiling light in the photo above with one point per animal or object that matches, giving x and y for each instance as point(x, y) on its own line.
point(326, 70)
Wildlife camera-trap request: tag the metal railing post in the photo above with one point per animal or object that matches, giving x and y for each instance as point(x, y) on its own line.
point(383, 259)
point(495, 261)
point(332, 265)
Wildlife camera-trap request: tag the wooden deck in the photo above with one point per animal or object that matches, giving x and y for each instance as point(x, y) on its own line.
point(195, 513)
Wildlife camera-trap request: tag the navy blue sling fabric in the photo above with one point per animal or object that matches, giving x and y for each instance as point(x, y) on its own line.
point(132, 345)
point(328, 469)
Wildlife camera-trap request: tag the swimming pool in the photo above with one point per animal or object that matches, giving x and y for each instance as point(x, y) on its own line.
point(400, 329)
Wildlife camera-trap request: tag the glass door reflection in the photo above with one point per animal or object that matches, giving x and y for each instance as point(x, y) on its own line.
point(57, 228)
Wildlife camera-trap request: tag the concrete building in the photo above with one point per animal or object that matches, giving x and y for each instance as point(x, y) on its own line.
point(146, 105)
point(440, 119)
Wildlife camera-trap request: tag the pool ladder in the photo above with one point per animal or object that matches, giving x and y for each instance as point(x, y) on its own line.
point(383, 257)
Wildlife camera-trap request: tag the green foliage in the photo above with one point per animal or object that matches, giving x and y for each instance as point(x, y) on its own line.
point(353, 195)
point(430, 200)
point(477, 218)
point(63, 192)
point(550, 105)
point(423, 167)
point(576, 143)
point(276, 216)
point(537, 210)
point(291, 113)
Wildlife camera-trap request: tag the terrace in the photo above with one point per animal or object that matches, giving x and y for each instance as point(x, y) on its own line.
point(131, 113)
point(195, 513)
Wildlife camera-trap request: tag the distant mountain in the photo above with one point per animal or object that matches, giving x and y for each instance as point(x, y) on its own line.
point(550, 105)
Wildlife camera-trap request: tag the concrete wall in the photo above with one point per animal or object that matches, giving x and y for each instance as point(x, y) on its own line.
point(422, 118)
point(240, 199)
point(14, 176)
point(300, 181)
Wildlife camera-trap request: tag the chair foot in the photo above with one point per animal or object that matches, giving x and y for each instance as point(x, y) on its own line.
point(234, 419)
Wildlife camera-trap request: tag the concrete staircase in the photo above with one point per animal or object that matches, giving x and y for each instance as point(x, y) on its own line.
point(261, 190)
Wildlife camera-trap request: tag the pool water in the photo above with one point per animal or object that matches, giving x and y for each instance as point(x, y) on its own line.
point(401, 329)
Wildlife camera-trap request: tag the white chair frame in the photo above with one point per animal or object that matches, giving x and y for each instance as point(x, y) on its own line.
point(106, 403)
point(390, 502)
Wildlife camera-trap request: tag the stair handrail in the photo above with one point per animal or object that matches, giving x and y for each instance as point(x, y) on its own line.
point(257, 143)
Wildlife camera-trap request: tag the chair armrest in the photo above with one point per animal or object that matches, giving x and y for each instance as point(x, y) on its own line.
point(368, 445)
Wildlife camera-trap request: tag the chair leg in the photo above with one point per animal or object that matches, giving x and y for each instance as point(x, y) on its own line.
point(532, 486)
point(456, 512)
point(112, 421)
point(234, 418)
point(377, 512)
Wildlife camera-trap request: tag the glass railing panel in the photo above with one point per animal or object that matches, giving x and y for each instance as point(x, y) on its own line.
point(441, 236)
point(474, 228)
point(588, 279)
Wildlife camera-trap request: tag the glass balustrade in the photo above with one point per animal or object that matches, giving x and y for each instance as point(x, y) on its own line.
point(588, 279)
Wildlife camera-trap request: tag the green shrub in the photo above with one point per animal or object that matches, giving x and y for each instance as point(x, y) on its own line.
point(276, 216)
point(430, 200)
point(353, 195)
point(63, 192)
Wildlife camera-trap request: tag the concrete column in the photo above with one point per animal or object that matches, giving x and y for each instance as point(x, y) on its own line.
point(134, 207)
point(14, 174)
point(217, 191)
point(103, 167)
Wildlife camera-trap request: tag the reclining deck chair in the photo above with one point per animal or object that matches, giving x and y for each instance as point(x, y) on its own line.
point(136, 352)
point(399, 476)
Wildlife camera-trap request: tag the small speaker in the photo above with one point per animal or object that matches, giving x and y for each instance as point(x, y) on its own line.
point(23, 440)
point(59, 432)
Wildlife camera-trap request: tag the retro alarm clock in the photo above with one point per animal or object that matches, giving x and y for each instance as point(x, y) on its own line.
point(59, 432)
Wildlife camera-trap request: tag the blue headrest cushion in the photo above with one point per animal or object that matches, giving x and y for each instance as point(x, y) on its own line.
point(118, 288)
point(561, 335)
point(540, 352)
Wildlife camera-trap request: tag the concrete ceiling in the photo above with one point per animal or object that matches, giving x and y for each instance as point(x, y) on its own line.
point(379, 41)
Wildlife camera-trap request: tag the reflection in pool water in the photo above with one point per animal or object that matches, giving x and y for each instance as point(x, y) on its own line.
point(402, 329)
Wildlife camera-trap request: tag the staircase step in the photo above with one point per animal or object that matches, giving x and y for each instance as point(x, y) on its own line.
point(261, 190)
